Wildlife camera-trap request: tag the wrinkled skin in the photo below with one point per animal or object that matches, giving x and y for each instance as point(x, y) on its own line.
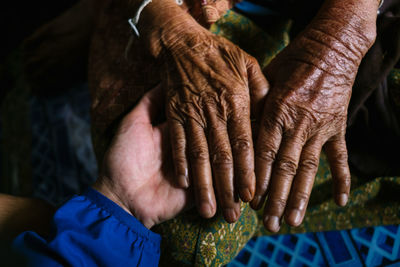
point(209, 117)
point(169, 36)
point(211, 85)
point(137, 175)
point(306, 109)
point(209, 82)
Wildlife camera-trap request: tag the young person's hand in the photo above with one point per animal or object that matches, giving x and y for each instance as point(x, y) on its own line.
point(137, 170)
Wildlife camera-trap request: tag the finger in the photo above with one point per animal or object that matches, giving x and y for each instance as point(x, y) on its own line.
point(222, 166)
point(284, 170)
point(149, 107)
point(178, 145)
point(200, 169)
point(303, 182)
point(268, 142)
point(239, 129)
point(336, 152)
point(258, 86)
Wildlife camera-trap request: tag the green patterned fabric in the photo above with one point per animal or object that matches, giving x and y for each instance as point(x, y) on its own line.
point(191, 240)
point(372, 202)
point(262, 45)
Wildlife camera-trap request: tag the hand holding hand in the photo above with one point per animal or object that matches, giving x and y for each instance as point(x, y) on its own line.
point(210, 85)
point(136, 171)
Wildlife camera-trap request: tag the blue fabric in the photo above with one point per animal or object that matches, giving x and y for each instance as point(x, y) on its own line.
point(91, 230)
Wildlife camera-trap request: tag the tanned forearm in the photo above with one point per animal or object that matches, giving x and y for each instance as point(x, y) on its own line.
point(18, 214)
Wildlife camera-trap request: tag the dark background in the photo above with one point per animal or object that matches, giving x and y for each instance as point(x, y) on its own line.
point(18, 19)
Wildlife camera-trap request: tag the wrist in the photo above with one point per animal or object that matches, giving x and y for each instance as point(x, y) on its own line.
point(106, 189)
point(351, 22)
point(157, 17)
point(161, 24)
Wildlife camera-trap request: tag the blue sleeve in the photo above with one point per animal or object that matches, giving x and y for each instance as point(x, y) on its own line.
point(91, 230)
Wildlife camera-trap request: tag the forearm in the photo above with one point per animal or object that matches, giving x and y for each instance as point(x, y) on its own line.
point(19, 214)
point(337, 38)
point(352, 22)
point(83, 231)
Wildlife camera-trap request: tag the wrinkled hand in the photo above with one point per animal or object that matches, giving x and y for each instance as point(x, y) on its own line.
point(136, 170)
point(211, 83)
point(306, 109)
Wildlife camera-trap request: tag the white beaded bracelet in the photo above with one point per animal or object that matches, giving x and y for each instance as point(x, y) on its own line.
point(134, 21)
point(380, 5)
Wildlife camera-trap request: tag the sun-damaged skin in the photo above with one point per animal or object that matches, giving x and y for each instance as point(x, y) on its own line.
point(210, 86)
point(306, 110)
point(137, 173)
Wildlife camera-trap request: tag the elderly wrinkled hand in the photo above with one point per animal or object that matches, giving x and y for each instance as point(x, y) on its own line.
point(211, 85)
point(306, 109)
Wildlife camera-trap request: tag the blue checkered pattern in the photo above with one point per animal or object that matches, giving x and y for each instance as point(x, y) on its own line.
point(372, 246)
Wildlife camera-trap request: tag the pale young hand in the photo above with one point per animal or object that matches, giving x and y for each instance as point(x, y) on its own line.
point(137, 172)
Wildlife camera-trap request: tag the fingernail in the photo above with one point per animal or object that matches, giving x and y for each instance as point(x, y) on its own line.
point(230, 215)
point(245, 194)
point(272, 223)
point(295, 217)
point(256, 202)
point(184, 181)
point(206, 210)
point(343, 199)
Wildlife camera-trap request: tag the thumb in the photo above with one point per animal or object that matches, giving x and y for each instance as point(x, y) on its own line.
point(149, 107)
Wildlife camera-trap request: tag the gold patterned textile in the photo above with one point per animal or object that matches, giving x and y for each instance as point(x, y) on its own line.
point(188, 239)
point(191, 240)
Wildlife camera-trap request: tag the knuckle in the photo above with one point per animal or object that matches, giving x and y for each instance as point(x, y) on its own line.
point(266, 155)
point(209, 99)
point(179, 144)
point(241, 144)
point(300, 199)
point(268, 122)
point(221, 158)
point(198, 154)
point(278, 203)
point(203, 189)
point(179, 159)
point(310, 163)
point(273, 126)
point(341, 158)
point(286, 165)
